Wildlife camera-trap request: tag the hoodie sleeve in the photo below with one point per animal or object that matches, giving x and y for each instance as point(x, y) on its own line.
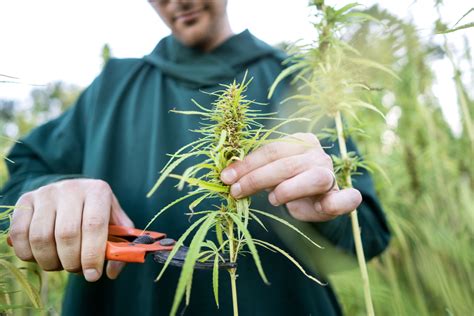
point(51, 152)
point(373, 224)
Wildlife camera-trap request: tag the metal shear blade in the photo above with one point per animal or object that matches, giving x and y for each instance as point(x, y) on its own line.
point(180, 256)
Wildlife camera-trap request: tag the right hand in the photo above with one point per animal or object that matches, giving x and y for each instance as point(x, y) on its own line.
point(64, 225)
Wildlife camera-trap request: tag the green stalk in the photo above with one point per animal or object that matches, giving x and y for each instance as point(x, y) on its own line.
point(233, 283)
point(466, 116)
point(355, 222)
point(233, 272)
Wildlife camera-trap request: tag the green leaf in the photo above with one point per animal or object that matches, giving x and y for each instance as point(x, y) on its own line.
point(178, 244)
point(255, 217)
point(361, 16)
point(270, 131)
point(168, 206)
point(243, 209)
point(22, 280)
point(222, 139)
point(285, 73)
point(250, 245)
point(169, 169)
point(289, 257)
point(198, 201)
point(373, 64)
point(347, 7)
point(200, 106)
point(461, 27)
point(190, 112)
point(219, 233)
point(214, 187)
point(284, 222)
point(185, 278)
point(215, 278)
point(367, 106)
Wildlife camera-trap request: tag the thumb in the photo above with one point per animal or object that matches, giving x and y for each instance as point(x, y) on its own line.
point(117, 217)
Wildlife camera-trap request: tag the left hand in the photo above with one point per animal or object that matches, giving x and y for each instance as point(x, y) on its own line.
point(298, 173)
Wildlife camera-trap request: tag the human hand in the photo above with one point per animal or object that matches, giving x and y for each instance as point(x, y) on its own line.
point(298, 173)
point(64, 225)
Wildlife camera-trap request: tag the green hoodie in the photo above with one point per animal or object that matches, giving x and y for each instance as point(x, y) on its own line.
point(120, 130)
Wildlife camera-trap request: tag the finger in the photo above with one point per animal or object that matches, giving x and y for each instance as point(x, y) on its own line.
point(288, 146)
point(337, 203)
point(118, 217)
point(20, 227)
point(303, 210)
point(68, 230)
point(113, 269)
point(95, 221)
point(270, 175)
point(41, 235)
point(315, 181)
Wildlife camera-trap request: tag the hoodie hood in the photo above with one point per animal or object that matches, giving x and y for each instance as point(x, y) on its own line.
point(199, 69)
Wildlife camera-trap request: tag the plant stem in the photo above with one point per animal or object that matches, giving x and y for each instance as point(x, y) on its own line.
point(233, 272)
point(355, 222)
point(233, 283)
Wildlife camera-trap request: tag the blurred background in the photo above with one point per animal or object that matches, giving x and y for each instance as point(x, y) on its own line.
point(51, 50)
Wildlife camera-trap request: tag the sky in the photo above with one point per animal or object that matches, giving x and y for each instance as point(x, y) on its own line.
point(51, 40)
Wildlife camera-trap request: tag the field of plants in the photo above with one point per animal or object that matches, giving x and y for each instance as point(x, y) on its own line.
point(377, 72)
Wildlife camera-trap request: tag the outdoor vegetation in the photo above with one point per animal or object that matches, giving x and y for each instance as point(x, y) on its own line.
point(367, 74)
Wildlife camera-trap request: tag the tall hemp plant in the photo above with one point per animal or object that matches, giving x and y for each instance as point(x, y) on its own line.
point(329, 74)
point(231, 128)
point(13, 279)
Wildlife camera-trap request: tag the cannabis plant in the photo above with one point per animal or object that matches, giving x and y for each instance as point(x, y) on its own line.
point(230, 128)
point(329, 77)
point(429, 203)
point(12, 278)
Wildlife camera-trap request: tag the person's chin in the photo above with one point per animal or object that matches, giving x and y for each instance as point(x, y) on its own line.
point(192, 36)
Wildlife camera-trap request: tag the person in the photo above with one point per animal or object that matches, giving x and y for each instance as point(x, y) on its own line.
point(93, 166)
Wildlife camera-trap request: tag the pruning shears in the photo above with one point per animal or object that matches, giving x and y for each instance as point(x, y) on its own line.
point(132, 245)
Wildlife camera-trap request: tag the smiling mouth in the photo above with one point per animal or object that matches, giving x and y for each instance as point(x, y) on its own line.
point(188, 16)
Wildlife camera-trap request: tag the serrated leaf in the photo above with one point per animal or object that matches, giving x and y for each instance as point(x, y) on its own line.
point(286, 223)
point(198, 201)
point(250, 245)
point(243, 209)
point(169, 169)
point(255, 217)
point(215, 278)
point(178, 244)
point(185, 278)
point(168, 206)
point(214, 187)
point(289, 257)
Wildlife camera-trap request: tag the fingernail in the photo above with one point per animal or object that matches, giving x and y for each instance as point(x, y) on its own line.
point(91, 275)
point(235, 190)
point(114, 268)
point(272, 199)
point(228, 175)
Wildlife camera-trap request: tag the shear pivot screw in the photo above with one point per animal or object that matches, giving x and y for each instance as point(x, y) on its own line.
point(167, 242)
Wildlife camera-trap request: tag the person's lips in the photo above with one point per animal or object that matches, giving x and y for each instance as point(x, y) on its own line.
point(188, 16)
